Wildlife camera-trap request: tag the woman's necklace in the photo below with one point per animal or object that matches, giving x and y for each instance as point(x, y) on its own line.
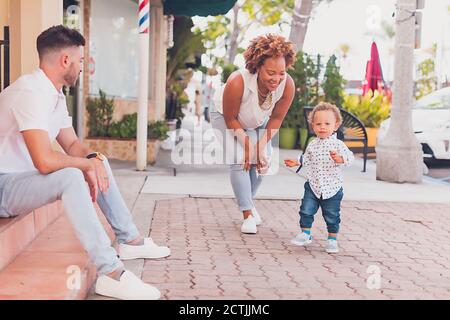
point(266, 100)
point(266, 103)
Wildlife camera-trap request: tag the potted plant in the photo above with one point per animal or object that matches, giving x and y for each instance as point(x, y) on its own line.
point(371, 109)
point(288, 132)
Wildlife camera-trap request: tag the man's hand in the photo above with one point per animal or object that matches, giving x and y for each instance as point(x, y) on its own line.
point(291, 163)
point(101, 174)
point(337, 158)
point(91, 178)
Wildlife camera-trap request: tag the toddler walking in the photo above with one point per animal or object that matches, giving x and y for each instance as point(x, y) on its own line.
point(323, 160)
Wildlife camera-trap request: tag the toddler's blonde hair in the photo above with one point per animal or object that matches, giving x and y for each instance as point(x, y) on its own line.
point(325, 106)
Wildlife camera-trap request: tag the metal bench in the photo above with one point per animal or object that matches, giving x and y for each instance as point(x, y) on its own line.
point(351, 129)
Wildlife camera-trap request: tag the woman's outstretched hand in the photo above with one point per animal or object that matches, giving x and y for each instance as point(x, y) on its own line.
point(249, 153)
point(262, 163)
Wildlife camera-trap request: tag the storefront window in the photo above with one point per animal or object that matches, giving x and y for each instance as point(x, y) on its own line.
point(113, 65)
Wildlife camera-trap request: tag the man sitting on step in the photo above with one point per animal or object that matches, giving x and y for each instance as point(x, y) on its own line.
point(33, 113)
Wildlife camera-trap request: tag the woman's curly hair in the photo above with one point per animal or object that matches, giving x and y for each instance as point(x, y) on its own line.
point(268, 46)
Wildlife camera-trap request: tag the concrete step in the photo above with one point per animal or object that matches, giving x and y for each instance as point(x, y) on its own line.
point(17, 233)
point(53, 267)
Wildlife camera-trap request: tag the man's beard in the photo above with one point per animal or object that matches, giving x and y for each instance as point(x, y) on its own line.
point(71, 76)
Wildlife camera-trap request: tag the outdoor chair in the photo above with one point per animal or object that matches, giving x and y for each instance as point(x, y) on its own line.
point(352, 129)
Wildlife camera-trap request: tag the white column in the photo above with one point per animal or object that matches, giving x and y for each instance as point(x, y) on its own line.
point(144, 41)
point(158, 57)
point(399, 154)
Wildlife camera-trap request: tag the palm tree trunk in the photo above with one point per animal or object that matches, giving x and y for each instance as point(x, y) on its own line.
point(300, 20)
point(232, 51)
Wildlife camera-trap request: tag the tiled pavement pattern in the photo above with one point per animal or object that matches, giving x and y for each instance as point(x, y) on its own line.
point(409, 243)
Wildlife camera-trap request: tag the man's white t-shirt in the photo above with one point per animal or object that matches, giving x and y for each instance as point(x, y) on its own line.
point(32, 102)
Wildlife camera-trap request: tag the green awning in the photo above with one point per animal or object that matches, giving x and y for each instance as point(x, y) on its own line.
point(197, 7)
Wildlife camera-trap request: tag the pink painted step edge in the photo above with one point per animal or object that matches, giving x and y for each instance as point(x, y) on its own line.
point(17, 233)
point(23, 270)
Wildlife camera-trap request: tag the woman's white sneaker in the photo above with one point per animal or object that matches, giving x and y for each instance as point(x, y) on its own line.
point(149, 250)
point(129, 287)
point(249, 225)
point(257, 217)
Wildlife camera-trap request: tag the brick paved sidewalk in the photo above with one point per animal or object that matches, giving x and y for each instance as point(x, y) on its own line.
point(211, 259)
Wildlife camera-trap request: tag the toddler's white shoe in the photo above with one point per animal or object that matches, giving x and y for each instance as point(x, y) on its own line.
point(332, 246)
point(302, 239)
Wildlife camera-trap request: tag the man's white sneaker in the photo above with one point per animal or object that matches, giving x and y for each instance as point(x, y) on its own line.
point(257, 217)
point(302, 239)
point(129, 287)
point(149, 250)
point(332, 246)
point(249, 225)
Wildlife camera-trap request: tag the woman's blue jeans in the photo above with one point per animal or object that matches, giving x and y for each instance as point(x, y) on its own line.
point(245, 184)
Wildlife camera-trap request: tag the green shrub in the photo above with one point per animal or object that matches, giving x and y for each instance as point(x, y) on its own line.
point(182, 100)
point(101, 125)
point(228, 69)
point(100, 112)
point(427, 80)
point(311, 87)
point(371, 109)
point(157, 130)
point(305, 74)
point(125, 128)
point(333, 83)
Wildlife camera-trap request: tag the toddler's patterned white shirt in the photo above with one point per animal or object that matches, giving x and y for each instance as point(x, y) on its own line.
point(324, 175)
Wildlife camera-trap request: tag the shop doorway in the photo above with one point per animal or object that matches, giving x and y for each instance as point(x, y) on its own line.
point(72, 19)
point(4, 59)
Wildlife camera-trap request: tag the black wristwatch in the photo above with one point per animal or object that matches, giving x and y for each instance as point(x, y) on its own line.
point(96, 155)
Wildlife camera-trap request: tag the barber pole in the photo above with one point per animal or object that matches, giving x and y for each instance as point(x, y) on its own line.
point(144, 43)
point(144, 16)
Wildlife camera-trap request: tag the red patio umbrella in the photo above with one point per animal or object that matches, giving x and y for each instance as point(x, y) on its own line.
point(374, 75)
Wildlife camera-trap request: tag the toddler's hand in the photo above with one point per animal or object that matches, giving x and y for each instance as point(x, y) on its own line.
point(291, 163)
point(336, 158)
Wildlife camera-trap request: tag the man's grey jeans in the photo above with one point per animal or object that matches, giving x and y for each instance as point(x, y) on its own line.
point(21, 193)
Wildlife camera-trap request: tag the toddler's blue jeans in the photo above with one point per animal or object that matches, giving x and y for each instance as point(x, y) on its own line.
point(330, 209)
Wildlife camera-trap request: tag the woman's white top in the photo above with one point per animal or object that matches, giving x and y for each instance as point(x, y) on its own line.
point(251, 115)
